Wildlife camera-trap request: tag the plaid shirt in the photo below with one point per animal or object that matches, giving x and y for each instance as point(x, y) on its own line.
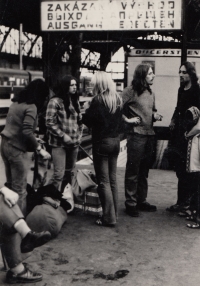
point(58, 124)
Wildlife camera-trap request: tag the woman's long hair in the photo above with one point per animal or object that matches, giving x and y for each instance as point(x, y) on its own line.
point(104, 88)
point(139, 83)
point(191, 70)
point(36, 92)
point(62, 91)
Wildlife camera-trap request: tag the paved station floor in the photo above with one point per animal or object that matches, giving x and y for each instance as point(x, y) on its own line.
point(155, 249)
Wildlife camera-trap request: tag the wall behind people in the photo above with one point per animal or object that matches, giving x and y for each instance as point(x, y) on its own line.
point(166, 82)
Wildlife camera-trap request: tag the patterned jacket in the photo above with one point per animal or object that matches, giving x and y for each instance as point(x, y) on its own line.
point(58, 124)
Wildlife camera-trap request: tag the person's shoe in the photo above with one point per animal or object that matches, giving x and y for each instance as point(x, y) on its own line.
point(33, 240)
point(26, 276)
point(132, 211)
point(175, 208)
point(147, 207)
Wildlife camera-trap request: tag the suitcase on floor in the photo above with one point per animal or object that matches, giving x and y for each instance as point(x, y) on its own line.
point(89, 203)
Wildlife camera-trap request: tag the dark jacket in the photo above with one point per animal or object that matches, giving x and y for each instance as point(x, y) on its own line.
point(103, 123)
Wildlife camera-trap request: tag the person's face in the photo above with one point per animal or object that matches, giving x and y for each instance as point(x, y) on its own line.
point(73, 87)
point(184, 76)
point(150, 77)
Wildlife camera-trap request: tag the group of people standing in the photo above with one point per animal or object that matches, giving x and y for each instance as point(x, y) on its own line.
point(108, 115)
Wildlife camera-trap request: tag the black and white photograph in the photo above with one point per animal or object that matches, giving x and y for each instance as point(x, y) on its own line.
point(100, 142)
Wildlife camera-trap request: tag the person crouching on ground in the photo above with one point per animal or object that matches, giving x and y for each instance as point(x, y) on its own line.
point(13, 220)
point(139, 113)
point(104, 117)
point(17, 139)
point(192, 118)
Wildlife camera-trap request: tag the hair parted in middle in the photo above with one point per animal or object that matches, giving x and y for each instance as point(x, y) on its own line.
point(105, 88)
point(62, 91)
point(191, 70)
point(139, 83)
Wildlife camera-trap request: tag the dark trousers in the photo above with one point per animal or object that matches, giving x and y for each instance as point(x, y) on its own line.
point(186, 182)
point(105, 153)
point(139, 153)
point(195, 200)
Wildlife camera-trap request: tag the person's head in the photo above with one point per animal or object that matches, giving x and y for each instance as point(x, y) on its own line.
point(68, 86)
point(105, 88)
point(187, 74)
point(36, 92)
point(143, 78)
point(67, 90)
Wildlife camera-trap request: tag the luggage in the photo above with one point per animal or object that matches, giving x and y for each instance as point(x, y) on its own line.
point(85, 193)
point(47, 218)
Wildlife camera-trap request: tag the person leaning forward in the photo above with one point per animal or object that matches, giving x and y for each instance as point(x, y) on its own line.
point(139, 112)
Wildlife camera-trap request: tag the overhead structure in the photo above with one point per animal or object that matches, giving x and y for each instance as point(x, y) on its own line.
point(69, 26)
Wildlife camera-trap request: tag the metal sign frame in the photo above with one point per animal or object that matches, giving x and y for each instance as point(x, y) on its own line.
point(111, 15)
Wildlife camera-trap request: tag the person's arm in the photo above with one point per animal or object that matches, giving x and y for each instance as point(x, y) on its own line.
point(198, 98)
point(134, 120)
point(52, 123)
point(126, 117)
point(28, 132)
point(10, 197)
point(156, 116)
point(29, 122)
point(90, 115)
point(175, 114)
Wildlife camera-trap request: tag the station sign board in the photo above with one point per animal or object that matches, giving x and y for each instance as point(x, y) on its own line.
point(162, 53)
point(111, 15)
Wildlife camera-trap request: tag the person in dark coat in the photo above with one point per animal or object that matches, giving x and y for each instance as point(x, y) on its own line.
point(104, 116)
point(188, 96)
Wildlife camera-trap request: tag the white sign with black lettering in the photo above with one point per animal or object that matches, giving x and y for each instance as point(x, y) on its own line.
point(107, 15)
point(162, 53)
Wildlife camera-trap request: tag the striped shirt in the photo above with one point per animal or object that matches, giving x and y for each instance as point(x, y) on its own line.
point(58, 124)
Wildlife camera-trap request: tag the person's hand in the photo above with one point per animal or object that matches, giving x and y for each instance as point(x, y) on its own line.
point(172, 125)
point(67, 139)
point(133, 120)
point(158, 117)
point(45, 154)
point(10, 197)
point(86, 105)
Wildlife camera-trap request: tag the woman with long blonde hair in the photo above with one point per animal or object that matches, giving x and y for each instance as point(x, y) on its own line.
point(104, 116)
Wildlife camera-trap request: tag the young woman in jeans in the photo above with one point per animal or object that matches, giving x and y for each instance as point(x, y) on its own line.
point(64, 130)
point(104, 117)
point(17, 139)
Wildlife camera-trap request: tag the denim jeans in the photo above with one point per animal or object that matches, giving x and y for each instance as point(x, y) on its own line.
point(64, 161)
point(139, 152)
point(105, 153)
point(16, 168)
point(9, 215)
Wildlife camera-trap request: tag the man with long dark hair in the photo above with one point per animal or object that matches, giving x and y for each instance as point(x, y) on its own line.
point(139, 113)
point(188, 96)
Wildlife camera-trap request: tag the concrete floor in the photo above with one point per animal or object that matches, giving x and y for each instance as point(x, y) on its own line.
point(156, 249)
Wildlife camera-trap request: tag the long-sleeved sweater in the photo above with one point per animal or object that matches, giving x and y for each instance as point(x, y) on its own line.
point(21, 123)
point(142, 106)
